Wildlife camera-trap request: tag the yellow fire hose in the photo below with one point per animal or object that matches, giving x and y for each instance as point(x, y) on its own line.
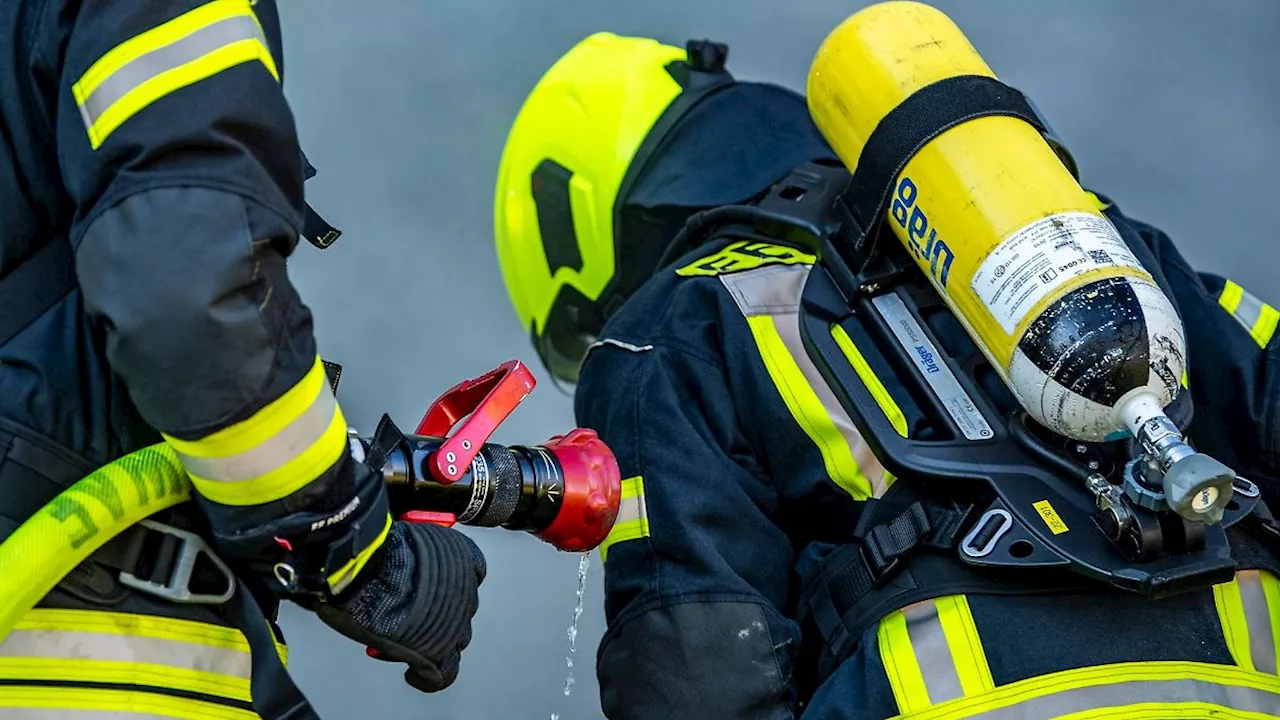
point(82, 519)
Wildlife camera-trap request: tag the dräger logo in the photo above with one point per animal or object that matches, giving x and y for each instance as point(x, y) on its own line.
point(914, 220)
point(930, 365)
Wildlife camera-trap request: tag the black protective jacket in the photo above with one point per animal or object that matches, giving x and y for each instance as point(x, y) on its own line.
point(151, 188)
point(744, 474)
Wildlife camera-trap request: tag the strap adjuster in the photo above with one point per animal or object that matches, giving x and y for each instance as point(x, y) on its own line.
point(886, 545)
point(175, 565)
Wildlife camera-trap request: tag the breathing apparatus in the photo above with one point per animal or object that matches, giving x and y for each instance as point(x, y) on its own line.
point(1047, 419)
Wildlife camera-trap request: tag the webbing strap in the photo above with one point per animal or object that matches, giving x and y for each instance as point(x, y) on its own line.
point(923, 116)
point(275, 696)
point(33, 287)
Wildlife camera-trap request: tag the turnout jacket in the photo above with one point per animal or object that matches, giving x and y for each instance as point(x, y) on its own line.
point(151, 186)
point(743, 473)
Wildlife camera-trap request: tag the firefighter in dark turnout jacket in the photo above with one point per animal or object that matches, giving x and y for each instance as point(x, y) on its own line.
point(745, 473)
point(152, 189)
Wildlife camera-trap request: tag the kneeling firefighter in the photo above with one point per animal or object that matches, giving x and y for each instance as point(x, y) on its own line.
point(840, 501)
point(152, 191)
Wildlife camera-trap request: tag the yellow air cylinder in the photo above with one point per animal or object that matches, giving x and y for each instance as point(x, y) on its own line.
point(1045, 285)
point(1043, 282)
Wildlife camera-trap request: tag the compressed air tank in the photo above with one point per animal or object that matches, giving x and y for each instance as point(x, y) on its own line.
point(1069, 317)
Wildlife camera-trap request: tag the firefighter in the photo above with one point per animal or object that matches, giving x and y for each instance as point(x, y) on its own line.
point(743, 471)
point(152, 193)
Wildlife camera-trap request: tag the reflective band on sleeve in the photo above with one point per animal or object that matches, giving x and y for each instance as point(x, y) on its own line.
point(769, 298)
point(932, 653)
point(1162, 689)
point(277, 451)
point(1257, 318)
point(86, 646)
point(1245, 607)
point(194, 46)
point(633, 516)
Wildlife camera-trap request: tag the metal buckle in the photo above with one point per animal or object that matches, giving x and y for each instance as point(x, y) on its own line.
point(181, 568)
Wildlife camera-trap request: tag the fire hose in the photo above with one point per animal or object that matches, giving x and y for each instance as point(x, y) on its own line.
point(566, 491)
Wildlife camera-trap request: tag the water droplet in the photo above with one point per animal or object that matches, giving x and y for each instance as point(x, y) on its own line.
point(572, 632)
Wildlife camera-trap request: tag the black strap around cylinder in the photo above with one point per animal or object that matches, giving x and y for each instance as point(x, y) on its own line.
point(923, 116)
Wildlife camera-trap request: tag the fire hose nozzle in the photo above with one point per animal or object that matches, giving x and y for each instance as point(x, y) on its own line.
point(592, 492)
point(566, 492)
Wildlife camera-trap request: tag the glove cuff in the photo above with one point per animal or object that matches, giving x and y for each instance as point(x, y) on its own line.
point(316, 554)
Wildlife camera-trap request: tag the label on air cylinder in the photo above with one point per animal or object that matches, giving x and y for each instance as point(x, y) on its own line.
point(1042, 257)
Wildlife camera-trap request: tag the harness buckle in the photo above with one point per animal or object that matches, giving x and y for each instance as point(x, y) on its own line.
point(174, 562)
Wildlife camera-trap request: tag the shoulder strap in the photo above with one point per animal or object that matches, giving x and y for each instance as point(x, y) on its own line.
point(926, 114)
point(34, 286)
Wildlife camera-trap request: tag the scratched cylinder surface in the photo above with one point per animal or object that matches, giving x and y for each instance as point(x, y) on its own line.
point(1041, 279)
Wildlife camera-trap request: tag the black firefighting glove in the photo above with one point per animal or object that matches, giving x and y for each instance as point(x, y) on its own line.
point(414, 602)
point(410, 601)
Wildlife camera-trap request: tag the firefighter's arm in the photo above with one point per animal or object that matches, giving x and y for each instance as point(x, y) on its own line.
point(696, 570)
point(1233, 358)
point(178, 146)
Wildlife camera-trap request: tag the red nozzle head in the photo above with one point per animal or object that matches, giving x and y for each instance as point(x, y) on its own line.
point(592, 492)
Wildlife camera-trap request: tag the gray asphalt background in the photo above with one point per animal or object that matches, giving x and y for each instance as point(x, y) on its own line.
point(1170, 106)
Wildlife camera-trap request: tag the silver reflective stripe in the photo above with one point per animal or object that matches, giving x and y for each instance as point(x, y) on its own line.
point(933, 654)
point(1262, 645)
point(632, 508)
point(1248, 311)
point(90, 646)
point(1122, 694)
point(775, 290)
point(292, 440)
point(163, 59)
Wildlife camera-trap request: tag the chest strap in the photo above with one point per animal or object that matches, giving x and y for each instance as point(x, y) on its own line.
point(34, 286)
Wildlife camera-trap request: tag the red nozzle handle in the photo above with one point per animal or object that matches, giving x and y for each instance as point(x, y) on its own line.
point(418, 517)
point(592, 492)
point(489, 399)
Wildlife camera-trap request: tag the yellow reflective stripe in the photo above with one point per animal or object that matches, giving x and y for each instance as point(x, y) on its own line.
point(1180, 710)
point(807, 408)
point(769, 298)
point(1230, 298)
point(932, 653)
point(966, 647)
point(877, 388)
point(1235, 629)
point(148, 626)
point(339, 580)
point(277, 451)
point(1271, 591)
point(31, 703)
point(191, 47)
point(1072, 691)
point(1253, 600)
point(633, 516)
point(123, 672)
point(1258, 318)
point(1246, 607)
point(900, 664)
point(1265, 328)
